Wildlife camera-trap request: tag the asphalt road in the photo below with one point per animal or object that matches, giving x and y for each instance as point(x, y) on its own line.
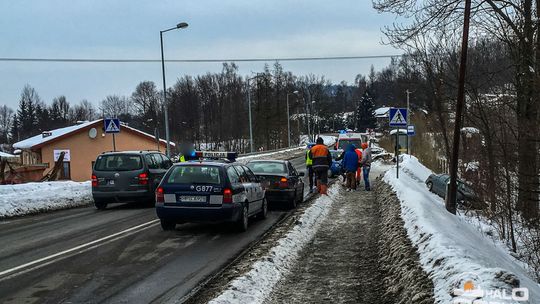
point(120, 255)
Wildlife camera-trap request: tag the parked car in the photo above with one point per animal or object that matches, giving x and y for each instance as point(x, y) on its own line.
point(209, 191)
point(336, 169)
point(128, 176)
point(281, 181)
point(436, 183)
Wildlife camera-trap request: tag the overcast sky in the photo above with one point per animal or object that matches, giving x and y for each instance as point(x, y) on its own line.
point(123, 29)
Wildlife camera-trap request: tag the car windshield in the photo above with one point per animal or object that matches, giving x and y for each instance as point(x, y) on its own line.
point(196, 174)
point(343, 143)
point(267, 167)
point(118, 162)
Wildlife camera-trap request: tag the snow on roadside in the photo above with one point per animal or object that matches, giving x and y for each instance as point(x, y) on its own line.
point(450, 248)
point(273, 154)
point(256, 285)
point(22, 199)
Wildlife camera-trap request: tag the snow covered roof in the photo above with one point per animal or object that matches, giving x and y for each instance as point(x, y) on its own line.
point(382, 112)
point(6, 155)
point(401, 131)
point(38, 140)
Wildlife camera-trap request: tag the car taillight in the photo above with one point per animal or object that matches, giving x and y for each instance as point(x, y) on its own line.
point(143, 179)
point(283, 182)
point(160, 197)
point(94, 181)
point(227, 196)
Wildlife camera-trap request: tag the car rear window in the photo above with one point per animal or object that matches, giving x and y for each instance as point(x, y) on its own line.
point(118, 162)
point(197, 174)
point(267, 167)
point(344, 143)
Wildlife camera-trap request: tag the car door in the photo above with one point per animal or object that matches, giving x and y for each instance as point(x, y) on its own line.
point(295, 178)
point(254, 205)
point(155, 172)
point(258, 190)
point(238, 190)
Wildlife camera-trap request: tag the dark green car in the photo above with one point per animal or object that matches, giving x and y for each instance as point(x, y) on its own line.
point(437, 183)
point(128, 176)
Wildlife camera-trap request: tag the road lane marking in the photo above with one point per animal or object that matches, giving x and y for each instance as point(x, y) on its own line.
point(78, 249)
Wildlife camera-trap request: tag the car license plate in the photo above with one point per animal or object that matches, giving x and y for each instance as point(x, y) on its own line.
point(111, 182)
point(192, 199)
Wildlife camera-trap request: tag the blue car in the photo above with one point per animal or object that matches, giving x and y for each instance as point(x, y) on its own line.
point(336, 169)
point(209, 191)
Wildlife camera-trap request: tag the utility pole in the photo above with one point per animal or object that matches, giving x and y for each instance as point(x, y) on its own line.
point(451, 195)
point(408, 122)
point(249, 110)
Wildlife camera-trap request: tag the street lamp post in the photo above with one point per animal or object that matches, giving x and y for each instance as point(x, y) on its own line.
point(180, 25)
point(289, 119)
point(249, 111)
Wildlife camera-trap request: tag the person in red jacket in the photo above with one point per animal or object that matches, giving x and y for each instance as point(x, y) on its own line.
point(359, 170)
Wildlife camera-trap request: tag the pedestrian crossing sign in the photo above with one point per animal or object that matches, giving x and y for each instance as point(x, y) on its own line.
point(398, 117)
point(112, 125)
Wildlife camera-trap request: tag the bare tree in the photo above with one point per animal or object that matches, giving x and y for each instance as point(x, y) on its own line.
point(6, 123)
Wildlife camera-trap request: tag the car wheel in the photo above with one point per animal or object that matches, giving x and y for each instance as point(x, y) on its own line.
point(292, 202)
point(242, 223)
point(264, 211)
point(301, 197)
point(100, 205)
point(430, 186)
point(167, 225)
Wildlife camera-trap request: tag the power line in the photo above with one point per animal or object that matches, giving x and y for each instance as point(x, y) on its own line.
point(97, 60)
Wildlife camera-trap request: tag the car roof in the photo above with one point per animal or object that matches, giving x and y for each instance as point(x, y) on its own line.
point(130, 152)
point(280, 161)
point(205, 162)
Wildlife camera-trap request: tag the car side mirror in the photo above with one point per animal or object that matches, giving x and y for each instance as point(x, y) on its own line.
point(302, 174)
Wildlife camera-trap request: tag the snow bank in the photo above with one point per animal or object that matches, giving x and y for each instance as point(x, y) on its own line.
point(22, 199)
point(256, 285)
point(451, 249)
point(273, 154)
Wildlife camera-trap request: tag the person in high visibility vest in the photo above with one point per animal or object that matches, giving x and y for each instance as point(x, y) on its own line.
point(322, 159)
point(309, 168)
point(182, 158)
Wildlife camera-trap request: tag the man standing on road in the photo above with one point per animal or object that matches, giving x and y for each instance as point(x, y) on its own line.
point(366, 164)
point(359, 171)
point(321, 163)
point(350, 164)
point(309, 167)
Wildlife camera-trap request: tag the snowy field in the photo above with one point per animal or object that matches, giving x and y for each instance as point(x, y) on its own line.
point(22, 199)
point(451, 249)
point(257, 284)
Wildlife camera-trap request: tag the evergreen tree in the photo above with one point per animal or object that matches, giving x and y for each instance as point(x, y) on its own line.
point(365, 113)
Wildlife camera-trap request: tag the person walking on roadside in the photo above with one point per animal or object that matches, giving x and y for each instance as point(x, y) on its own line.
point(350, 164)
point(309, 167)
point(322, 159)
point(359, 170)
point(366, 164)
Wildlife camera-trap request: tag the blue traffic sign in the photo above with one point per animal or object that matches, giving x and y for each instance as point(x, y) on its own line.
point(398, 117)
point(112, 125)
point(410, 130)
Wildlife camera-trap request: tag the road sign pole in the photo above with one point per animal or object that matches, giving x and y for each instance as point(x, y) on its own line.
point(397, 153)
point(114, 142)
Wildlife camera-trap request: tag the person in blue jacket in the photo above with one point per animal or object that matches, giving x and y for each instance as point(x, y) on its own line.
point(350, 164)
